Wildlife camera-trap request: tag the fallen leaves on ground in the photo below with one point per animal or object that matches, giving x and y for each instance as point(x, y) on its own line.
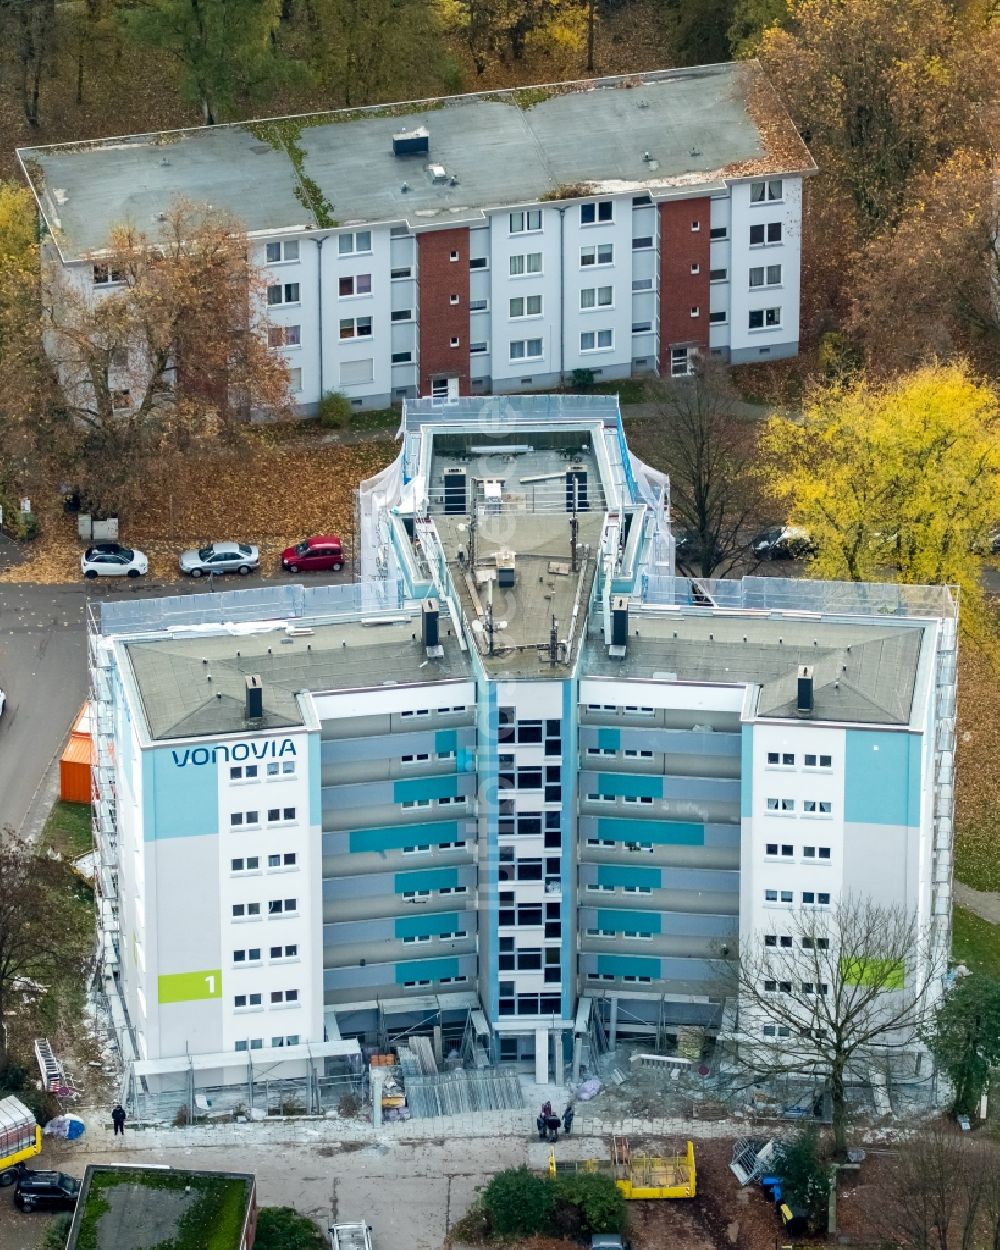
point(266, 492)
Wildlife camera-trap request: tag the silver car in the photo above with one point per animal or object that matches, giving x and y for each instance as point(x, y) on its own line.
point(220, 558)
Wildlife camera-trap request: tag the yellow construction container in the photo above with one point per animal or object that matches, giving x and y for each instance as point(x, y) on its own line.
point(642, 1176)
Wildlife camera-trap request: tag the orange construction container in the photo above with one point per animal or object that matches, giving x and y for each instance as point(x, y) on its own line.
point(75, 762)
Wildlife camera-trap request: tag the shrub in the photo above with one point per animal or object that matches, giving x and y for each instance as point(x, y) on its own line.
point(583, 379)
point(598, 1203)
point(518, 1202)
point(57, 1233)
point(805, 1171)
point(334, 411)
point(282, 1228)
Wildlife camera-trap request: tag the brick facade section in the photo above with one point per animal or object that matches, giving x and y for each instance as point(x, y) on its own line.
point(439, 320)
point(680, 289)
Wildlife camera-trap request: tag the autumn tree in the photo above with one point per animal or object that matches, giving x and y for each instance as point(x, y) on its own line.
point(173, 352)
point(226, 49)
point(28, 31)
point(822, 991)
point(504, 30)
point(708, 451)
point(940, 262)
point(881, 92)
point(749, 20)
point(895, 480)
point(41, 939)
point(966, 1038)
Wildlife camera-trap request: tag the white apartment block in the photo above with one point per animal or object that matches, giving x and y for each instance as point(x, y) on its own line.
point(484, 243)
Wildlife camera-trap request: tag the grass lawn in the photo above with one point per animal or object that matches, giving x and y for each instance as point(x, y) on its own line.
point(377, 419)
point(67, 829)
point(975, 942)
point(628, 390)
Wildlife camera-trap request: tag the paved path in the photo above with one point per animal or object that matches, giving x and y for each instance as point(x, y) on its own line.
point(982, 902)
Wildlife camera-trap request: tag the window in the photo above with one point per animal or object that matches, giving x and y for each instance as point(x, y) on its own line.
point(820, 944)
point(525, 349)
point(453, 256)
point(530, 262)
point(480, 262)
point(454, 341)
point(530, 219)
point(242, 1001)
point(357, 284)
point(396, 275)
point(284, 996)
point(478, 349)
point(645, 241)
point(284, 336)
point(597, 297)
point(769, 232)
point(244, 910)
point(695, 227)
point(281, 906)
point(526, 306)
point(695, 310)
point(103, 276)
point(718, 318)
point(478, 305)
point(352, 244)
point(695, 267)
point(600, 210)
point(454, 299)
point(597, 254)
point(280, 814)
point(356, 327)
point(763, 191)
point(681, 361)
point(285, 952)
point(824, 761)
point(764, 318)
point(248, 955)
point(401, 314)
point(282, 253)
point(719, 232)
point(765, 275)
point(250, 864)
point(238, 820)
point(243, 772)
point(282, 293)
point(402, 358)
point(718, 275)
point(642, 284)
point(596, 340)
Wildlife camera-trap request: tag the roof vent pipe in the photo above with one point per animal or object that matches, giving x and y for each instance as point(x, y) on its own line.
point(804, 694)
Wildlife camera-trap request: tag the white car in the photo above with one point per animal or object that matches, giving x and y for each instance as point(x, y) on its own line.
point(113, 560)
point(3, 702)
point(220, 558)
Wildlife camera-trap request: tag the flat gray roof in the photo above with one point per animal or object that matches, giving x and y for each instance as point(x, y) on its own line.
point(566, 141)
point(179, 701)
point(862, 673)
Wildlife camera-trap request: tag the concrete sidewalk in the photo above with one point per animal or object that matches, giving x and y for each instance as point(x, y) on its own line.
point(983, 903)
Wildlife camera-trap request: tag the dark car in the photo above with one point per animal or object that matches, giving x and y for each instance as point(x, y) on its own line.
point(688, 547)
point(45, 1191)
point(324, 551)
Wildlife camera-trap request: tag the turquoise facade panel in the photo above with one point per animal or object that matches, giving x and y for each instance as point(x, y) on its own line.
point(426, 970)
point(746, 771)
point(623, 875)
point(882, 778)
point(446, 740)
point(392, 837)
point(180, 796)
point(425, 925)
point(667, 832)
point(426, 879)
point(623, 920)
point(630, 785)
point(315, 780)
point(413, 789)
point(609, 739)
point(628, 966)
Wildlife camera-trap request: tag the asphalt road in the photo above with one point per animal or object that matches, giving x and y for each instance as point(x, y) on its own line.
point(43, 669)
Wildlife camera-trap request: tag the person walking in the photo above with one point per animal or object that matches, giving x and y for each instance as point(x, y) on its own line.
point(118, 1119)
point(568, 1119)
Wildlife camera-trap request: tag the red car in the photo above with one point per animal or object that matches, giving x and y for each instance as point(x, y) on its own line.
point(314, 554)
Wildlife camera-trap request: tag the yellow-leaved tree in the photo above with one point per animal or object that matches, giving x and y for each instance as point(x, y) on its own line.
point(895, 481)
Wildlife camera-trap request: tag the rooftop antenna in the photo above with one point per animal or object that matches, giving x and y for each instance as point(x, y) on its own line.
point(553, 640)
point(573, 526)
